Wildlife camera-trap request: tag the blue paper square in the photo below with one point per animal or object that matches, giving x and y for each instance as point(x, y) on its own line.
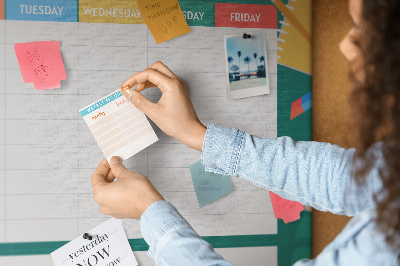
point(209, 186)
point(306, 105)
point(306, 98)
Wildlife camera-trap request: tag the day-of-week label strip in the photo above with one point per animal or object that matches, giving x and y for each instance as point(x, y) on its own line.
point(199, 13)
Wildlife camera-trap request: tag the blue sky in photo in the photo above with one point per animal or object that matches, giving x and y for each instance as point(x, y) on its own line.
point(256, 44)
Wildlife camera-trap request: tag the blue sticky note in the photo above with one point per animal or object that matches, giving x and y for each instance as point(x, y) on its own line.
point(209, 186)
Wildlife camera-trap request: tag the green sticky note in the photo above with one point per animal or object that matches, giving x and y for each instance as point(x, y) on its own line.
point(209, 186)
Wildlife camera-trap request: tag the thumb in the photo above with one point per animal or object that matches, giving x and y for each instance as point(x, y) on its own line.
point(139, 101)
point(117, 167)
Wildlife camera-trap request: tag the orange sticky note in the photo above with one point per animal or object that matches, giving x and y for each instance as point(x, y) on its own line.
point(164, 18)
point(284, 209)
point(41, 64)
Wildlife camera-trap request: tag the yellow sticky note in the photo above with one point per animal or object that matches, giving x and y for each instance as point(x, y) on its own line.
point(164, 18)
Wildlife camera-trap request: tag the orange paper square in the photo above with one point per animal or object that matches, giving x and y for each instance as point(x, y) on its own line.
point(164, 18)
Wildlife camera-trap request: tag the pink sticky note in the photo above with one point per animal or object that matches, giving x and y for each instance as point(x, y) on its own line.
point(284, 209)
point(41, 64)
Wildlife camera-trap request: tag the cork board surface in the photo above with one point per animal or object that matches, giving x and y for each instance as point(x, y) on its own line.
point(331, 89)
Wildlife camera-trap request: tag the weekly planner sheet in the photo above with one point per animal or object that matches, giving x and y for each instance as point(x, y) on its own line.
point(118, 126)
point(49, 139)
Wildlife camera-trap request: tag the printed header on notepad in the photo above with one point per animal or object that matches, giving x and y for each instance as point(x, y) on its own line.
point(93, 107)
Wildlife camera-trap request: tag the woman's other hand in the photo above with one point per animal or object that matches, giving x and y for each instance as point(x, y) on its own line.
point(128, 197)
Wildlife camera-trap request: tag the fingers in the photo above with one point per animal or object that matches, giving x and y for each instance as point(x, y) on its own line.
point(117, 167)
point(140, 102)
point(157, 78)
point(142, 86)
point(160, 67)
point(104, 210)
point(100, 174)
point(139, 87)
point(110, 177)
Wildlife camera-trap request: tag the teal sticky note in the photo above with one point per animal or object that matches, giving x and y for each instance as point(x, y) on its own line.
point(209, 186)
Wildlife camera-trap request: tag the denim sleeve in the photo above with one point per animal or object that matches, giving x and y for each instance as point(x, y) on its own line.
point(171, 239)
point(312, 173)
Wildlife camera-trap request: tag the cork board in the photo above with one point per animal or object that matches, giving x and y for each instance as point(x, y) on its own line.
point(331, 89)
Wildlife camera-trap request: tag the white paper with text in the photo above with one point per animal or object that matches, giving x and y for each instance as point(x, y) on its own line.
point(108, 247)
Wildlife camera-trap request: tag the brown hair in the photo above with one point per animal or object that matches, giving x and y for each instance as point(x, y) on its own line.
point(375, 103)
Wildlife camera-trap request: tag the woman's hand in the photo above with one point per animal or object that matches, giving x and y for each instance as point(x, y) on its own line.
point(174, 113)
point(127, 197)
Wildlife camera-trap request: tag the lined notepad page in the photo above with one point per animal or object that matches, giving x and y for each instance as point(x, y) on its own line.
point(118, 126)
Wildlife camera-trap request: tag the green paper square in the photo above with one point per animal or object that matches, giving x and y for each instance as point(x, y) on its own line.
point(209, 186)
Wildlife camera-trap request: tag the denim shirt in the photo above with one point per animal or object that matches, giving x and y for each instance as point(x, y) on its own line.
point(312, 173)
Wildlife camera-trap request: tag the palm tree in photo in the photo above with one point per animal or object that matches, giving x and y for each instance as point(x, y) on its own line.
point(230, 60)
point(234, 68)
point(262, 59)
point(255, 60)
point(247, 60)
point(239, 55)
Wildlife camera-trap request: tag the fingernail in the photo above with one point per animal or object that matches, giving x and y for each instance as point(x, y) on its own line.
point(115, 160)
point(129, 94)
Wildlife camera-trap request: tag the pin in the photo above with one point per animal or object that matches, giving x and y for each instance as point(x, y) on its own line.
point(88, 236)
point(246, 36)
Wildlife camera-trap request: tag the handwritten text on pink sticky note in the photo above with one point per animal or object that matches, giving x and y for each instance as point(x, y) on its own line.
point(41, 63)
point(284, 209)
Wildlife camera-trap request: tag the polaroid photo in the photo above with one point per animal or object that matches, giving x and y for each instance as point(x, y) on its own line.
point(246, 65)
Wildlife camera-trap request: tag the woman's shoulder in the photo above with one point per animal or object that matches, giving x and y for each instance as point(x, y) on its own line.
point(361, 240)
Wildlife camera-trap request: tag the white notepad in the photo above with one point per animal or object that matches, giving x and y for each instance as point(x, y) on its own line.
point(118, 126)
